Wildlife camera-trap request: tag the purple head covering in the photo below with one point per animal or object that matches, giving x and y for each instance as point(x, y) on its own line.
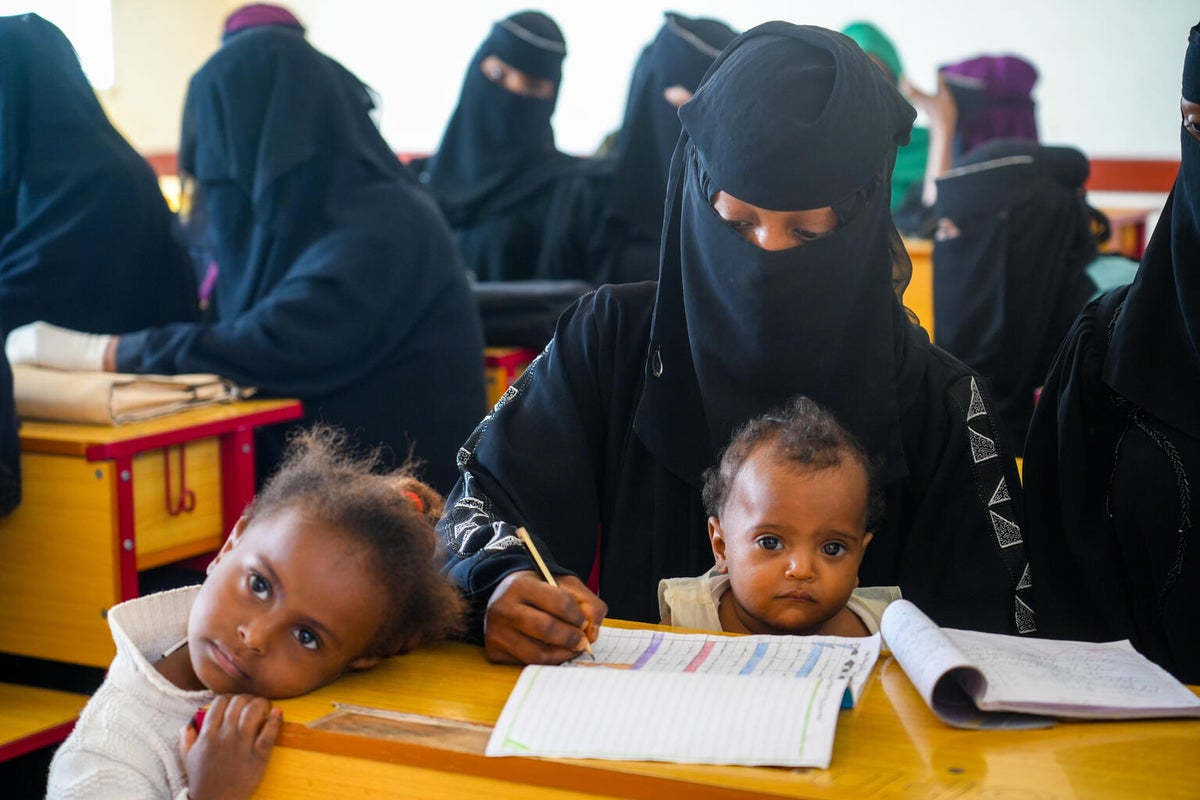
point(994, 100)
point(256, 15)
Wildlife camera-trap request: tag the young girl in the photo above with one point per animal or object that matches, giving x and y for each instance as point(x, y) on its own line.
point(791, 504)
point(330, 569)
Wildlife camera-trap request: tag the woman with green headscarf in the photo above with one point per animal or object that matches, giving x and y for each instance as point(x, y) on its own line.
point(910, 159)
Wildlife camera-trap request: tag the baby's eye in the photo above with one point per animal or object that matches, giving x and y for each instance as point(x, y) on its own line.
point(258, 586)
point(833, 548)
point(770, 543)
point(307, 639)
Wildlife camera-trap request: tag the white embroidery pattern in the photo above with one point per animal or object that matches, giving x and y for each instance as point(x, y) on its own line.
point(1008, 533)
point(1000, 495)
point(1024, 616)
point(982, 448)
point(1026, 580)
point(976, 408)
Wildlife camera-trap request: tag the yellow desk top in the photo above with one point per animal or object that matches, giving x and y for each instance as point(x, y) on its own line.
point(89, 440)
point(890, 746)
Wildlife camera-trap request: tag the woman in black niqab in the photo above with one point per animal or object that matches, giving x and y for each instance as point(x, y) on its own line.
point(1011, 260)
point(338, 282)
point(86, 239)
point(494, 171)
point(643, 383)
point(678, 57)
point(818, 318)
point(1114, 446)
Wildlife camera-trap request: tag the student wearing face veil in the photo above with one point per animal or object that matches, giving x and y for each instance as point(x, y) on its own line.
point(775, 280)
point(1114, 444)
point(497, 169)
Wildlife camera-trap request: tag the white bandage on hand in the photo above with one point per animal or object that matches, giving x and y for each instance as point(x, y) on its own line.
point(51, 346)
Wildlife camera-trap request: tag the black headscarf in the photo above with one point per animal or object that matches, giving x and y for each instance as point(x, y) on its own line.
point(1154, 357)
point(276, 160)
point(86, 238)
point(788, 117)
point(499, 146)
point(1008, 287)
point(679, 56)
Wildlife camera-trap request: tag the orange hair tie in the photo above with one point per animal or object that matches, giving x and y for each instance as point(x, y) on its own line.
point(416, 499)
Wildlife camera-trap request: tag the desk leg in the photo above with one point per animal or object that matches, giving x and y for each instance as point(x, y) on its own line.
point(237, 474)
point(126, 529)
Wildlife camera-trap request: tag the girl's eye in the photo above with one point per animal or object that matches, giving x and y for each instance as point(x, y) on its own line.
point(809, 236)
point(770, 543)
point(833, 548)
point(307, 639)
point(258, 586)
point(738, 224)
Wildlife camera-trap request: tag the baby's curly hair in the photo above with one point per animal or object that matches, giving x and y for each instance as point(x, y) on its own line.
point(801, 433)
point(392, 515)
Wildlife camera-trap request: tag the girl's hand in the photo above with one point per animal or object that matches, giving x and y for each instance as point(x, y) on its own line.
point(227, 758)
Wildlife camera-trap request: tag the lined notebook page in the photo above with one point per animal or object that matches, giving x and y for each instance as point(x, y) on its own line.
point(692, 717)
point(830, 657)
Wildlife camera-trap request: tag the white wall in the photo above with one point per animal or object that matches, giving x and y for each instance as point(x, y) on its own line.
point(1110, 69)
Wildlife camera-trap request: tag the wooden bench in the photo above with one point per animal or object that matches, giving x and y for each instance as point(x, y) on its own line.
point(32, 718)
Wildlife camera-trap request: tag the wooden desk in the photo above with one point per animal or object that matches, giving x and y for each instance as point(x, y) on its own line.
point(502, 366)
point(1128, 235)
point(101, 503)
point(918, 297)
point(890, 746)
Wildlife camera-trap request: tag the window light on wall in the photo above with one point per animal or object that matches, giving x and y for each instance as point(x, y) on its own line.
point(87, 23)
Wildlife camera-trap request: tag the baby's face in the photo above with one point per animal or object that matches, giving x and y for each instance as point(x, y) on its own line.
point(288, 605)
point(791, 539)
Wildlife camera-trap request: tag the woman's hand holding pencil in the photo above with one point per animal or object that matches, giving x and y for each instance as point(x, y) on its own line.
point(535, 619)
point(523, 535)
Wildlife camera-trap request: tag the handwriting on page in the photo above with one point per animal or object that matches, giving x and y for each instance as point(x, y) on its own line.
point(1067, 673)
point(796, 656)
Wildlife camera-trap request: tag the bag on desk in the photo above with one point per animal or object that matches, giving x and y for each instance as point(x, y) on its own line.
point(112, 398)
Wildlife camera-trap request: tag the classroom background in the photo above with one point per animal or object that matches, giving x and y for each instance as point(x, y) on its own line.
point(1109, 69)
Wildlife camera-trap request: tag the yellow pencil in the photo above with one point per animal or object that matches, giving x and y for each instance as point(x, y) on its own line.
point(527, 540)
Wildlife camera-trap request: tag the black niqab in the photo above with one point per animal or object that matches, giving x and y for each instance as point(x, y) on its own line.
point(679, 56)
point(499, 146)
point(1154, 357)
point(86, 238)
point(737, 329)
point(278, 137)
point(1009, 285)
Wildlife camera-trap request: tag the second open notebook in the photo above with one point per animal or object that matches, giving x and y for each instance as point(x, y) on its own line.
point(699, 698)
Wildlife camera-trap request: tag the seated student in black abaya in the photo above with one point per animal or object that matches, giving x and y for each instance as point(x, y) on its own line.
point(600, 446)
point(86, 238)
point(609, 230)
point(1010, 257)
point(497, 168)
point(1114, 445)
point(976, 100)
point(338, 278)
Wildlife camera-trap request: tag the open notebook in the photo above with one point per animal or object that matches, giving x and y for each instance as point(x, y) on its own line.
point(989, 680)
point(698, 698)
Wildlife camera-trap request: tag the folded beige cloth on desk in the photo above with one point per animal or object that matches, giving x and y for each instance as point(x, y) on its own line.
point(111, 398)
